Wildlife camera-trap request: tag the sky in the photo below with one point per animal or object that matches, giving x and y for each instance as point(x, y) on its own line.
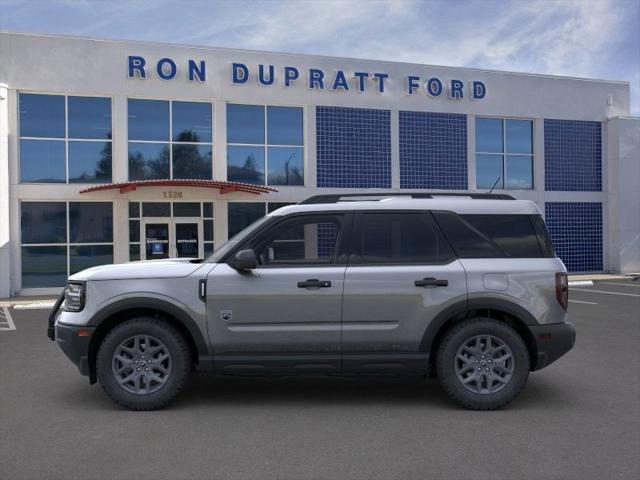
point(579, 38)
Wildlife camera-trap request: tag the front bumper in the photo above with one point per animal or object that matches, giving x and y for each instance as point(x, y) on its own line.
point(552, 342)
point(74, 342)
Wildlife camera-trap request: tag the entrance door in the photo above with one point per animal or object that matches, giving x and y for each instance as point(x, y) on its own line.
point(172, 238)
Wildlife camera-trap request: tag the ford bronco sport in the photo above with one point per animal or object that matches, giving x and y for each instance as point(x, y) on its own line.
point(466, 287)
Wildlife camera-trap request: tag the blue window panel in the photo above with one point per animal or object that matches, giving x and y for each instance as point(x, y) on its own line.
point(41, 115)
point(44, 266)
point(43, 222)
point(241, 215)
point(353, 147)
point(519, 172)
point(433, 150)
point(90, 222)
point(191, 122)
point(519, 136)
point(89, 117)
point(42, 161)
point(245, 124)
point(89, 162)
point(285, 166)
point(576, 231)
point(489, 135)
point(192, 161)
point(148, 119)
point(245, 164)
point(572, 155)
point(284, 126)
point(148, 161)
point(87, 256)
point(489, 171)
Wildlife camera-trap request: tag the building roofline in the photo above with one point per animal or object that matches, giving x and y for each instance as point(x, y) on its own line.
point(317, 55)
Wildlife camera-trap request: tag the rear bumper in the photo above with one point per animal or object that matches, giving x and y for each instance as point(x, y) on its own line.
point(552, 342)
point(74, 342)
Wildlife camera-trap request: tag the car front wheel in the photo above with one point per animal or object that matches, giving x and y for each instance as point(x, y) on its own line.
point(143, 363)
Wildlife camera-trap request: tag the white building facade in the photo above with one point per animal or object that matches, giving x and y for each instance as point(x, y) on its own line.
point(112, 151)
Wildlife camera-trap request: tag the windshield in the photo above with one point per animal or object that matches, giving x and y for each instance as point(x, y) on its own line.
point(239, 237)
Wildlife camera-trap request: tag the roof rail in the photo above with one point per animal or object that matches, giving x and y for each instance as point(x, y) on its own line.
point(364, 196)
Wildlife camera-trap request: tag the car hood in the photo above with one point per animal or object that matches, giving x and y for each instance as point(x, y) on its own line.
point(167, 268)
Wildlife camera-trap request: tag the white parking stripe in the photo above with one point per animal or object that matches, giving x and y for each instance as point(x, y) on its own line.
point(6, 322)
point(35, 306)
point(602, 291)
point(579, 301)
point(623, 284)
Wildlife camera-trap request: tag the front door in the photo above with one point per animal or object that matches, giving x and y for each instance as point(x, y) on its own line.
point(401, 275)
point(172, 238)
point(285, 315)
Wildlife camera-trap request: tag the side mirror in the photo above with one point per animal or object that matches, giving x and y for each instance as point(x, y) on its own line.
point(245, 260)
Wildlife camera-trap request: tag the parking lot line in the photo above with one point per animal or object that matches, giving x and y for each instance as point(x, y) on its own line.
point(602, 291)
point(623, 284)
point(6, 322)
point(580, 301)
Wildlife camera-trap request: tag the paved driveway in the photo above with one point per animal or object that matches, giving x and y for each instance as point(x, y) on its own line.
point(577, 419)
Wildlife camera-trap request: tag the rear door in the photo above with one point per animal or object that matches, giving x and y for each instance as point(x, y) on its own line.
point(401, 274)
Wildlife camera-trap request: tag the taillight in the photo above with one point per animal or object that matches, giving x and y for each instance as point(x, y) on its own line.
point(562, 289)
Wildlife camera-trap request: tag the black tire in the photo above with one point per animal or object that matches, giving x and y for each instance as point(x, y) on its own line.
point(177, 367)
point(452, 370)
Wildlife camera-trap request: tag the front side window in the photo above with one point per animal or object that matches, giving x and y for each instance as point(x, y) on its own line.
point(401, 238)
point(170, 140)
point(65, 139)
point(504, 153)
point(265, 144)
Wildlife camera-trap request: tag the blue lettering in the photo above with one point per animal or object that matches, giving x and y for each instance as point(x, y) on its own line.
point(340, 81)
point(136, 64)
point(161, 71)
point(290, 74)
point(479, 90)
point(261, 79)
point(196, 72)
point(316, 77)
point(455, 90)
point(412, 84)
point(380, 77)
point(362, 77)
point(238, 77)
point(433, 87)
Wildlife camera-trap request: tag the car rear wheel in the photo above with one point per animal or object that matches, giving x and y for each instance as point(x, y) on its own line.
point(143, 363)
point(483, 363)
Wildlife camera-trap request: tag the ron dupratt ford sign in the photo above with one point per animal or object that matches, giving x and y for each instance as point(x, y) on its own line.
point(314, 78)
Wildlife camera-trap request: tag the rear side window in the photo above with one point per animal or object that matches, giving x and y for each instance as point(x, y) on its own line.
point(544, 240)
point(491, 236)
point(401, 238)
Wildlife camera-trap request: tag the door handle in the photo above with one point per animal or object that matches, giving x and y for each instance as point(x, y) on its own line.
point(314, 283)
point(431, 282)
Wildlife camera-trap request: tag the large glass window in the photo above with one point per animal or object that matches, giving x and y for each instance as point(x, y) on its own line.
point(265, 144)
point(170, 140)
point(241, 215)
point(504, 153)
point(65, 139)
point(62, 238)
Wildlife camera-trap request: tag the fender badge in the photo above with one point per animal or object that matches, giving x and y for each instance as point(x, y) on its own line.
point(226, 315)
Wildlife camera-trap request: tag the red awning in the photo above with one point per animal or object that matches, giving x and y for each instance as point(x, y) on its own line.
point(224, 187)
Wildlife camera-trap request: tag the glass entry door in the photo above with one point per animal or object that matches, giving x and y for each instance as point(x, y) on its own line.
point(172, 238)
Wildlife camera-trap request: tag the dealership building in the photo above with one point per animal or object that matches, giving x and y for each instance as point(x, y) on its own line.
point(114, 151)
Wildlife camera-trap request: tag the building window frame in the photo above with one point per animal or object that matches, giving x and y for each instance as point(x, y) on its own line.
point(67, 244)
point(170, 141)
point(66, 138)
point(504, 154)
point(266, 145)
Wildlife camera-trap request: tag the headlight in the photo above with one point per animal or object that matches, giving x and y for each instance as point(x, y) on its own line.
point(74, 297)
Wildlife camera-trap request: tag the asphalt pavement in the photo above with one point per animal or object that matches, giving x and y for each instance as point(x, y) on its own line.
point(577, 419)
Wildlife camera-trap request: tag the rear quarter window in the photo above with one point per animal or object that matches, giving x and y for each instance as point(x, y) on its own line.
point(491, 236)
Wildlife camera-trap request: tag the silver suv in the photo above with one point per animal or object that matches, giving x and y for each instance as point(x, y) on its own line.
point(463, 287)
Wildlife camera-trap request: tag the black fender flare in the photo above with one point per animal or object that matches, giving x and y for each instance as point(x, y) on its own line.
point(462, 309)
point(155, 304)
